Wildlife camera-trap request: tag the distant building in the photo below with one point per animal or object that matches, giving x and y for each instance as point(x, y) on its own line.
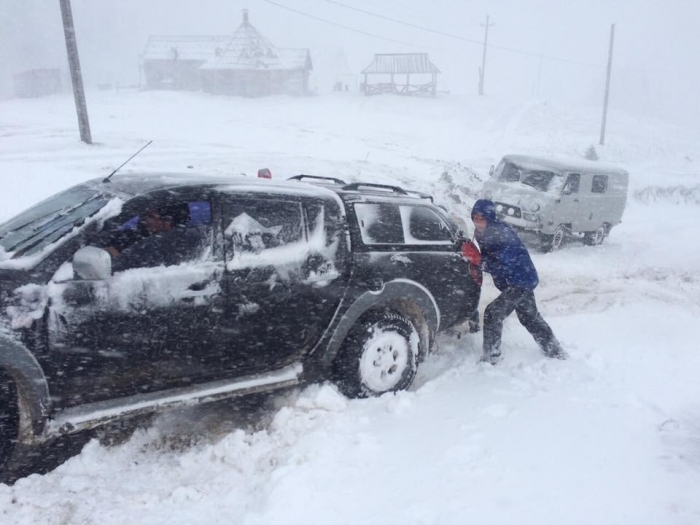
point(244, 63)
point(401, 74)
point(37, 83)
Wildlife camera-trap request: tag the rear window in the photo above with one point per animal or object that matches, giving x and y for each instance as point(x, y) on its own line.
point(260, 225)
point(423, 226)
point(380, 223)
point(387, 223)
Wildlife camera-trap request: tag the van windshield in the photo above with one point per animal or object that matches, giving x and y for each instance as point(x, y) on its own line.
point(48, 221)
point(539, 179)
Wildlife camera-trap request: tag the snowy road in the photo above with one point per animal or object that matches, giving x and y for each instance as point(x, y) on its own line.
point(610, 436)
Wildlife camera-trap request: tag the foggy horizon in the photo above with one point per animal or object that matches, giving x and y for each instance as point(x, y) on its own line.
point(539, 51)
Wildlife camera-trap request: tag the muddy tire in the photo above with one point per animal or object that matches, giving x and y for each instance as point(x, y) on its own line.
point(379, 355)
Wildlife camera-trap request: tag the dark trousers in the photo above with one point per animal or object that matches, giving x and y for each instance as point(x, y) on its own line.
point(523, 302)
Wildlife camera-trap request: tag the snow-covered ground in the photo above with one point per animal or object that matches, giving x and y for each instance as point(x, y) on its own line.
point(610, 436)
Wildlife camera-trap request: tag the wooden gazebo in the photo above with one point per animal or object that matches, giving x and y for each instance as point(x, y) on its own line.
point(393, 67)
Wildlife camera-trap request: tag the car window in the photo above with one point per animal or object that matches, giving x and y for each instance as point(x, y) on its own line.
point(167, 235)
point(423, 226)
point(199, 214)
point(573, 182)
point(256, 225)
point(599, 184)
point(380, 223)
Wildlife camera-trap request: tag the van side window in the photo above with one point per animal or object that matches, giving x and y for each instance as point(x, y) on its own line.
point(600, 184)
point(572, 183)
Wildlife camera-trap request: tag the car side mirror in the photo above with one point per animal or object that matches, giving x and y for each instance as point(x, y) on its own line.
point(566, 190)
point(92, 264)
point(491, 170)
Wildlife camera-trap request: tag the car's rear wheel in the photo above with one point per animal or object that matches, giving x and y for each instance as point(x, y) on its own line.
point(597, 237)
point(379, 355)
point(9, 417)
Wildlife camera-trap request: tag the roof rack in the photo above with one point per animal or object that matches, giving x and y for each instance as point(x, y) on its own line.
point(318, 177)
point(421, 194)
point(355, 186)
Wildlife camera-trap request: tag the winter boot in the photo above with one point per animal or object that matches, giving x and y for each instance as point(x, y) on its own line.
point(554, 350)
point(493, 357)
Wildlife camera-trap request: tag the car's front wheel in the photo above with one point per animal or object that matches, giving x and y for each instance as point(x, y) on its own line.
point(379, 355)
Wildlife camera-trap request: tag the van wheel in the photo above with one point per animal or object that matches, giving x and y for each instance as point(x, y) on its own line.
point(595, 238)
point(553, 242)
point(9, 417)
point(379, 355)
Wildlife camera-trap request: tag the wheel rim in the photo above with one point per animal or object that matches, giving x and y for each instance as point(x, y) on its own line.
point(384, 360)
point(599, 235)
point(557, 239)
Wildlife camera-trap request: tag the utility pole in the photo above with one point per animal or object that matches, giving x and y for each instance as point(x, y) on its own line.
point(482, 69)
point(607, 85)
point(75, 74)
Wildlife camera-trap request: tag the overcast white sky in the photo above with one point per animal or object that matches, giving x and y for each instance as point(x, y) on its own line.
point(656, 69)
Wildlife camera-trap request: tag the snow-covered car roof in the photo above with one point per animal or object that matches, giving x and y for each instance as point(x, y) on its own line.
point(133, 184)
point(564, 163)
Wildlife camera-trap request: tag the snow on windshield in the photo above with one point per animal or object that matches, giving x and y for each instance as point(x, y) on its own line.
point(540, 179)
point(52, 232)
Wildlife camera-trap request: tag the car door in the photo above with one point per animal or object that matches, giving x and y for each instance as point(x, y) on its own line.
point(281, 282)
point(148, 326)
point(413, 242)
point(571, 208)
point(601, 206)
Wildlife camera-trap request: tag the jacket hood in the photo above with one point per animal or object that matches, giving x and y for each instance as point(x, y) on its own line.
point(486, 208)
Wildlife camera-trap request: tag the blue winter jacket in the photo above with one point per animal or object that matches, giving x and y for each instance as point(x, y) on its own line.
point(503, 254)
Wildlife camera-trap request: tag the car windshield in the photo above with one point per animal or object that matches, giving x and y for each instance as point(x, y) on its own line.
point(48, 221)
point(541, 180)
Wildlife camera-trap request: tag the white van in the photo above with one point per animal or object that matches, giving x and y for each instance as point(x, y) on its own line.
point(557, 198)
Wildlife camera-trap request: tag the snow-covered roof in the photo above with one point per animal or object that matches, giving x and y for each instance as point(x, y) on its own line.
point(401, 63)
point(246, 48)
point(183, 47)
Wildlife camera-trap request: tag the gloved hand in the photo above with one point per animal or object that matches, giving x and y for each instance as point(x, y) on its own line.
point(471, 253)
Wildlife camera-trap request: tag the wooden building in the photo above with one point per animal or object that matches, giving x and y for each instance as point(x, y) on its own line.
point(401, 74)
point(35, 83)
point(244, 63)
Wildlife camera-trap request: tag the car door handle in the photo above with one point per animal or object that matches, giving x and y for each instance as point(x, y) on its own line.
point(198, 287)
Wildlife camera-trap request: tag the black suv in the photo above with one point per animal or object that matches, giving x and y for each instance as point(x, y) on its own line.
point(126, 296)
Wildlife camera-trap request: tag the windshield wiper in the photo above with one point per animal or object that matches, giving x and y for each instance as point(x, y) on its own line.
point(46, 226)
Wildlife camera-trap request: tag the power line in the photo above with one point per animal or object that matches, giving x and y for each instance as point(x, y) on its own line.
point(339, 25)
point(457, 37)
point(416, 26)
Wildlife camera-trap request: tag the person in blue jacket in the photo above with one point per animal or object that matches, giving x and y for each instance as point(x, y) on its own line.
point(505, 257)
